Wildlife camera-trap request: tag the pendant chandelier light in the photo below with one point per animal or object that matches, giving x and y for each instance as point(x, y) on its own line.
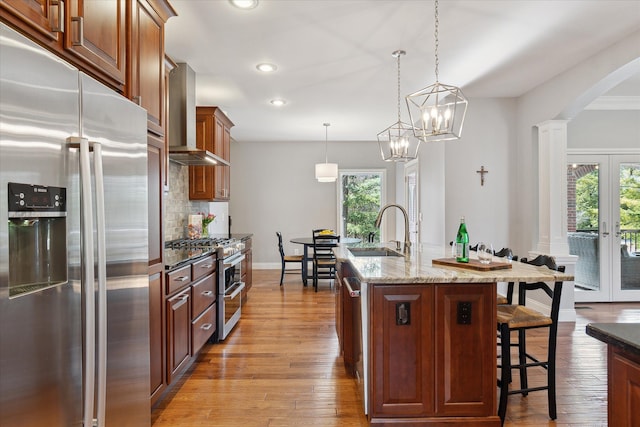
point(398, 142)
point(326, 172)
point(437, 111)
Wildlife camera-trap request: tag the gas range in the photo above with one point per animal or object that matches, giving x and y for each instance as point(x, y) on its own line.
point(183, 251)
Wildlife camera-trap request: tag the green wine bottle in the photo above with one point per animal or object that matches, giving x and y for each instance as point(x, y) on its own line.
point(462, 243)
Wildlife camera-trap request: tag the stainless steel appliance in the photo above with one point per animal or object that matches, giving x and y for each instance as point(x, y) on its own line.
point(230, 294)
point(230, 286)
point(74, 296)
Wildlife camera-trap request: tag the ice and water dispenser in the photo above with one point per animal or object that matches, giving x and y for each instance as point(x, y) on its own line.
point(37, 237)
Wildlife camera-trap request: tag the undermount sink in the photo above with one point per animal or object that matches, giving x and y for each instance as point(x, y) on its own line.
point(374, 252)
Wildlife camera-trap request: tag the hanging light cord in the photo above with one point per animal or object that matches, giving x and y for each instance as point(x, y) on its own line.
point(436, 38)
point(398, 53)
point(326, 141)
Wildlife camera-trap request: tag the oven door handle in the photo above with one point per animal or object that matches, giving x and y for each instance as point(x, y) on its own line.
point(233, 260)
point(239, 287)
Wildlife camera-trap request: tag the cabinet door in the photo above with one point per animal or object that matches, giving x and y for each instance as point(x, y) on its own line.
point(156, 335)
point(155, 182)
point(201, 177)
point(178, 332)
point(624, 388)
point(146, 80)
point(95, 34)
point(402, 351)
point(40, 19)
point(213, 133)
point(465, 349)
point(222, 148)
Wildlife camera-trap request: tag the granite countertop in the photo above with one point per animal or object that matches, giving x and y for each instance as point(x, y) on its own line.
point(417, 268)
point(625, 336)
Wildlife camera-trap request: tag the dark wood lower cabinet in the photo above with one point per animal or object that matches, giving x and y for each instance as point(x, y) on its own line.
point(432, 354)
point(402, 355)
point(624, 387)
point(179, 332)
point(157, 355)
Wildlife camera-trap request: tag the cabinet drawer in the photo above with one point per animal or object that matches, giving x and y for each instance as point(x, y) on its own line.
point(204, 294)
point(178, 279)
point(202, 328)
point(203, 267)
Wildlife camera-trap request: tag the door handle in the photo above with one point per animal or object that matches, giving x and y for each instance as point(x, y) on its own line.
point(605, 233)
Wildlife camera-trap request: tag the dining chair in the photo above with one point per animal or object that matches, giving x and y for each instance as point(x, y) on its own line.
point(292, 259)
point(520, 318)
point(324, 261)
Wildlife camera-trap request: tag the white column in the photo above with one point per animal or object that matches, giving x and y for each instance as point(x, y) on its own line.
point(552, 205)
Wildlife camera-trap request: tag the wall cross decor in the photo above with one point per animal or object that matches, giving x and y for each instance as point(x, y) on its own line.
point(482, 171)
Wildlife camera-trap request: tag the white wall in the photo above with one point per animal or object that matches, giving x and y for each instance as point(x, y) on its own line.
point(273, 188)
point(488, 140)
point(599, 129)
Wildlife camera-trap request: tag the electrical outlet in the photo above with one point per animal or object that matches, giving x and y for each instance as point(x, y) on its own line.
point(403, 313)
point(464, 312)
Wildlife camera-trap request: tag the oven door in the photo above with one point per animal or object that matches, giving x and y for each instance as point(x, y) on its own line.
point(230, 298)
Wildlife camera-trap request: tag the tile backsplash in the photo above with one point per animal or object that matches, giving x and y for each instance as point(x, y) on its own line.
point(177, 203)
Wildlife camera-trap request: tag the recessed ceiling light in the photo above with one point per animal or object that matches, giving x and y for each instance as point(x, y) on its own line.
point(278, 102)
point(244, 4)
point(266, 67)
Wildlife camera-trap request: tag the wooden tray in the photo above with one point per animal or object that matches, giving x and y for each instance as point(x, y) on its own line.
point(473, 264)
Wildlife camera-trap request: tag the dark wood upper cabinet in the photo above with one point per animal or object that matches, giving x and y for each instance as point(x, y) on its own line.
point(90, 34)
point(146, 82)
point(95, 33)
point(44, 19)
point(213, 133)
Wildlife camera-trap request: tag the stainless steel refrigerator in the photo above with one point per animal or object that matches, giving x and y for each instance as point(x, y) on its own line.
point(74, 297)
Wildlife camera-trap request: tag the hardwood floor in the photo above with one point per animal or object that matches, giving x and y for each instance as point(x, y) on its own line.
point(281, 367)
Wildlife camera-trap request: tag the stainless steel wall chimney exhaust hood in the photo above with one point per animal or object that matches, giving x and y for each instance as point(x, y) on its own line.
point(182, 121)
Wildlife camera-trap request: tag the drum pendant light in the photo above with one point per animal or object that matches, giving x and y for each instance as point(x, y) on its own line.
point(326, 172)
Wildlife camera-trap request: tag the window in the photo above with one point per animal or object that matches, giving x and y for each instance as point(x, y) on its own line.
point(360, 197)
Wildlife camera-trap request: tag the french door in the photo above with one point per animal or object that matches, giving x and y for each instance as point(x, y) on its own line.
point(603, 225)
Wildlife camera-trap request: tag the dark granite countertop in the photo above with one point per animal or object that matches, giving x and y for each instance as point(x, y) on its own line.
point(625, 336)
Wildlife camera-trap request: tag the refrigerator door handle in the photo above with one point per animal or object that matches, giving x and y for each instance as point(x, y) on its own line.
point(87, 276)
point(102, 285)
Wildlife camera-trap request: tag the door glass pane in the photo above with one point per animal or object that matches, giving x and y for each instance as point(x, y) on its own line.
point(360, 204)
point(629, 226)
point(582, 223)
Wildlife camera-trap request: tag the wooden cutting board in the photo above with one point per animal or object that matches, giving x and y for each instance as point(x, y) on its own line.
point(473, 264)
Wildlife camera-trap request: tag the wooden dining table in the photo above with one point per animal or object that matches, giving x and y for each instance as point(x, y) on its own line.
point(308, 242)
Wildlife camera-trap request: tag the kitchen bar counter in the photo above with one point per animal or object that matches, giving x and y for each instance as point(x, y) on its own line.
point(421, 339)
point(417, 268)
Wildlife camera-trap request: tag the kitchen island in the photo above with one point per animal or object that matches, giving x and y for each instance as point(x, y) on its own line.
point(421, 339)
point(623, 370)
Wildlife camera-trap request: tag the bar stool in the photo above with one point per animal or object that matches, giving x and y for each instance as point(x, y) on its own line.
point(506, 299)
point(521, 318)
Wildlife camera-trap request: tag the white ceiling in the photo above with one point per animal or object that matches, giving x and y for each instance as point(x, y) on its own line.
point(334, 56)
